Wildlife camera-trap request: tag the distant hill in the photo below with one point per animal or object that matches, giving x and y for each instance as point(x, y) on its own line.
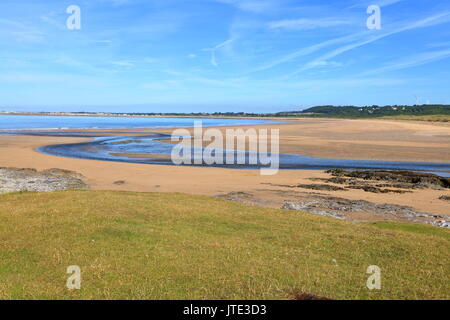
point(435, 112)
point(370, 111)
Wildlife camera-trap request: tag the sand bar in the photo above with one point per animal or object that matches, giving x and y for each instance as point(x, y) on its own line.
point(327, 138)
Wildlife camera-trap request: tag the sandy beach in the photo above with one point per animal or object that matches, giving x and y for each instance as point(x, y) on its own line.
point(325, 138)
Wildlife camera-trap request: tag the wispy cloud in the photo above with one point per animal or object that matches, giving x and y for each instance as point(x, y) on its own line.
point(21, 32)
point(307, 51)
point(104, 41)
point(381, 3)
point(307, 24)
point(67, 79)
point(432, 20)
point(79, 65)
point(413, 61)
point(225, 44)
point(118, 3)
point(439, 44)
point(152, 50)
point(123, 63)
point(256, 6)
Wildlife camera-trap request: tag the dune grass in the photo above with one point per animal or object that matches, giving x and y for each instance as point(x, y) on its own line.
point(176, 246)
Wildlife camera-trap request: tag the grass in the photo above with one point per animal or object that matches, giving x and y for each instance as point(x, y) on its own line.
point(176, 246)
point(432, 118)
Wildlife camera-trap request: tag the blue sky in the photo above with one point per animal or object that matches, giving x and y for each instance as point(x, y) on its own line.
point(221, 55)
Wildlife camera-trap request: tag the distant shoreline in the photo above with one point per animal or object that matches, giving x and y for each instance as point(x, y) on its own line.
point(433, 113)
point(130, 115)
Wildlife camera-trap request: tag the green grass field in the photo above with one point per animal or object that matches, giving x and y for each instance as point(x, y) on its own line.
point(175, 246)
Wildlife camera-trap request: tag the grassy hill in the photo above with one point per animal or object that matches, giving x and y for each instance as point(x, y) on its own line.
point(176, 246)
point(422, 112)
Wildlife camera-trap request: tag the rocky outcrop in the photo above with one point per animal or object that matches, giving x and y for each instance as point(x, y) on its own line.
point(17, 179)
point(404, 179)
point(338, 207)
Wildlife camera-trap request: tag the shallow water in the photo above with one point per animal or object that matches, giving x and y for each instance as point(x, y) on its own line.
point(147, 143)
point(105, 148)
point(15, 122)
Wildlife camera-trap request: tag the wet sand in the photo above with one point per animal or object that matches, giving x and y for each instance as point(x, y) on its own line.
point(363, 139)
point(325, 138)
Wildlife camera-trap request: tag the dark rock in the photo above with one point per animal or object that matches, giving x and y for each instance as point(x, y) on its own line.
point(373, 189)
point(400, 185)
point(322, 187)
point(338, 180)
point(417, 178)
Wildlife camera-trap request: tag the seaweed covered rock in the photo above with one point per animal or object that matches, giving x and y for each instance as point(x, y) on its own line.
point(425, 180)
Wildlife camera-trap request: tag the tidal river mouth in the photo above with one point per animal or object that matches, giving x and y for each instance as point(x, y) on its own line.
point(151, 148)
